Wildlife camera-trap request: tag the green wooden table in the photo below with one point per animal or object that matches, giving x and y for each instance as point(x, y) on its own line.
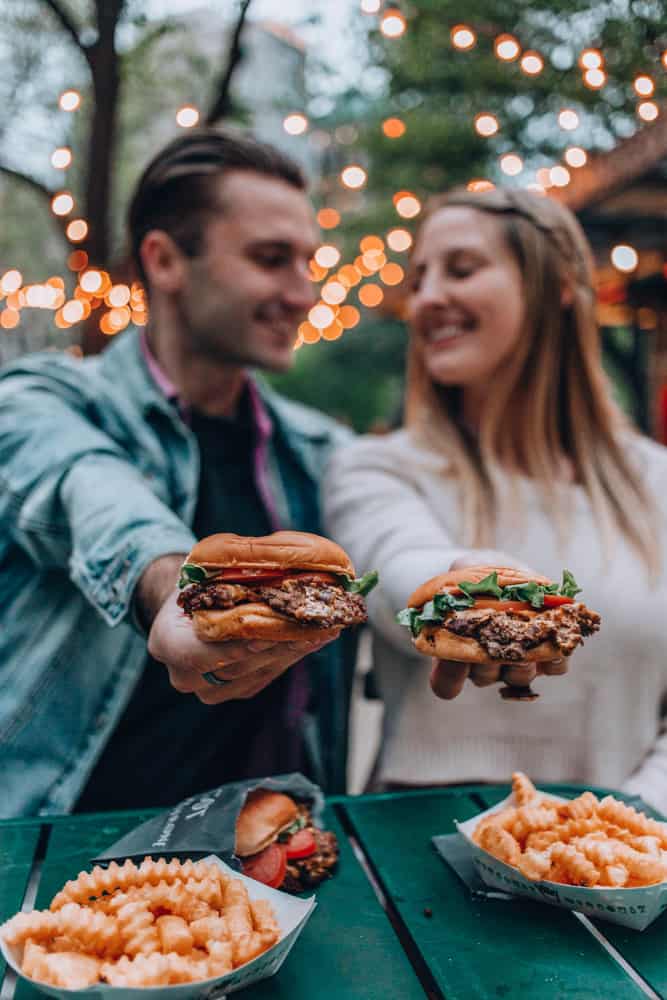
point(395, 923)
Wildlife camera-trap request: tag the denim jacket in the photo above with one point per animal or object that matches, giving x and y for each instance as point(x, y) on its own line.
point(99, 477)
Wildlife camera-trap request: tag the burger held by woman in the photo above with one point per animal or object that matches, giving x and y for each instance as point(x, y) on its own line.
point(513, 453)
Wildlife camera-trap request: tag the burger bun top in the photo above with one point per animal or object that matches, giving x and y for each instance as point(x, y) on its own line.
point(507, 577)
point(264, 815)
point(283, 550)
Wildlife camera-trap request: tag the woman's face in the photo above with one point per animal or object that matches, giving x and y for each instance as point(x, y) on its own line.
point(467, 303)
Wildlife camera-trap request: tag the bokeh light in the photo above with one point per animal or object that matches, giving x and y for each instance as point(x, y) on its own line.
point(349, 317)
point(590, 59)
point(407, 205)
point(393, 128)
point(399, 240)
point(511, 164)
point(9, 318)
point(62, 203)
point(370, 295)
point(560, 176)
point(463, 37)
point(532, 63)
point(333, 293)
point(72, 311)
point(69, 100)
point(486, 124)
point(91, 281)
point(575, 156)
point(568, 119)
point(11, 281)
point(321, 316)
point(595, 78)
point(624, 257)
point(506, 47)
point(392, 23)
point(644, 85)
point(371, 243)
point(327, 255)
point(648, 111)
point(295, 124)
point(328, 218)
point(61, 158)
point(353, 177)
point(187, 116)
point(370, 6)
point(392, 273)
point(479, 184)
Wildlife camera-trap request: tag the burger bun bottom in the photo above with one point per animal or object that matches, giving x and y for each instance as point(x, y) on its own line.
point(439, 642)
point(256, 621)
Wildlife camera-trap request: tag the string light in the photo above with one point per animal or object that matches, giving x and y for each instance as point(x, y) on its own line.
point(590, 59)
point(506, 48)
point(511, 164)
point(353, 177)
point(486, 124)
point(328, 218)
point(321, 316)
point(370, 295)
point(532, 63)
point(644, 85)
point(187, 116)
point(568, 119)
point(399, 240)
point(648, 111)
point(295, 124)
point(62, 203)
point(392, 273)
point(11, 281)
point(61, 158)
point(393, 128)
point(463, 37)
point(575, 156)
point(77, 230)
point(560, 176)
point(624, 257)
point(407, 204)
point(393, 24)
point(327, 256)
point(595, 78)
point(69, 100)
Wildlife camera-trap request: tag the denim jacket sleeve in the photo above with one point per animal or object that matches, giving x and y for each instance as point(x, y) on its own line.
point(72, 499)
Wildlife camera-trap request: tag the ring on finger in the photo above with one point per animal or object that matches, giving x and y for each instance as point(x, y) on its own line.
point(212, 678)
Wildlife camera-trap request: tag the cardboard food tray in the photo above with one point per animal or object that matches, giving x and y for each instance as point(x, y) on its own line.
point(291, 912)
point(635, 908)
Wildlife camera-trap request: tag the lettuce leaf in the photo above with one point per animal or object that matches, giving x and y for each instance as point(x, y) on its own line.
point(489, 585)
point(363, 585)
point(191, 573)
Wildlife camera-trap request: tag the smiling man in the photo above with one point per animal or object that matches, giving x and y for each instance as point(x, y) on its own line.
point(112, 468)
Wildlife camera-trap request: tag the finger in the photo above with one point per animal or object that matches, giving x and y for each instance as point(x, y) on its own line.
point(306, 646)
point(238, 649)
point(448, 678)
point(553, 667)
point(519, 674)
point(275, 657)
point(483, 674)
point(246, 687)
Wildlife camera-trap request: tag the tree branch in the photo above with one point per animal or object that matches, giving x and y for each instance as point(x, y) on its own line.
point(29, 181)
point(66, 23)
point(222, 103)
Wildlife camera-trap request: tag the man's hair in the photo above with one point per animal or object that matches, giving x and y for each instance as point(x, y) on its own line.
point(178, 191)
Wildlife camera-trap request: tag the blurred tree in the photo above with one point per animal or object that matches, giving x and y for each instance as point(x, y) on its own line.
point(110, 44)
point(435, 91)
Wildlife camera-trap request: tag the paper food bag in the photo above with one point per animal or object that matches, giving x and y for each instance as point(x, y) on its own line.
point(635, 908)
point(291, 914)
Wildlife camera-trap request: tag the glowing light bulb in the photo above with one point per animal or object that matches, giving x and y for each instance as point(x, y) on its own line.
point(353, 177)
point(624, 257)
point(486, 124)
point(463, 37)
point(187, 116)
point(295, 124)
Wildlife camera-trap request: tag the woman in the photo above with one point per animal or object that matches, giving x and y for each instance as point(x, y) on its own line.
point(513, 443)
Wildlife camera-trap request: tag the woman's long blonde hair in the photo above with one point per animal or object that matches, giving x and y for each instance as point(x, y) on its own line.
point(551, 399)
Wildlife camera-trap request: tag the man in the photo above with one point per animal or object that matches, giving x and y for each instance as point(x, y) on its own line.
point(111, 467)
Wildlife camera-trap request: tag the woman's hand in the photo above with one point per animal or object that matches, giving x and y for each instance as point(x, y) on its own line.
point(448, 677)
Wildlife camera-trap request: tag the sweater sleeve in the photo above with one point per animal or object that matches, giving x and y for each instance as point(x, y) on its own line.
point(374, 508)
point(649, 781)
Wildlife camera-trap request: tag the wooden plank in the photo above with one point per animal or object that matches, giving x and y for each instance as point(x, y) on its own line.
point(348, 950)
point(477, 949)
point(17, 849)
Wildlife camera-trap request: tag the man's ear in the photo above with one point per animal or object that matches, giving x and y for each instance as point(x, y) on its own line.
point(165, 265)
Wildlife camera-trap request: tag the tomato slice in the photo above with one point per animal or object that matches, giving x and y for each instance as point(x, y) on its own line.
point(492, 602)
point(301, 844)
point(269, 866)
point(555, 600)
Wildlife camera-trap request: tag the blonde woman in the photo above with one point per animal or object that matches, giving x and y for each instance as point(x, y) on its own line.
point(513, 451)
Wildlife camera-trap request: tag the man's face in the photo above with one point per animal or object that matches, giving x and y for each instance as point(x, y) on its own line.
point(245, 295)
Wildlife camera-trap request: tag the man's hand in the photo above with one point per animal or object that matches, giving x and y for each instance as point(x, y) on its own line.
point(248, 665)
point(448, 677)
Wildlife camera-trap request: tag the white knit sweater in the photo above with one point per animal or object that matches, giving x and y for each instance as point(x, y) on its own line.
point(389, 504)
